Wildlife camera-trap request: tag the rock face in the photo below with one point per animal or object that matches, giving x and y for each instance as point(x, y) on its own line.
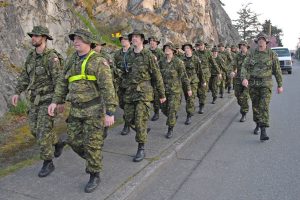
point(172, 20)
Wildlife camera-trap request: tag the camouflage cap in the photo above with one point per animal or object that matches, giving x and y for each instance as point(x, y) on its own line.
point(124, 36)
point(208, 46)
point(215, 49)
point(228, 46)
point(177, 46)
point(154, 38)
point(136, 32)
point(233, 46)
point(221, 44)
point(243, 42)
point(86, 36)
point(170, 45)
point(40, 30)
point(187, 44)
point(199, 42)
point(262, 35)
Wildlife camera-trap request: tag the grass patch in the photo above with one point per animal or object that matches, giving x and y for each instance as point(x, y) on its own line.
point(13, 168)
point(19, 110)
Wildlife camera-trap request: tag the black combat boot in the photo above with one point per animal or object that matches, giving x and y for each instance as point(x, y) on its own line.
point(229, 90)
point(105, 132)
point(47, 168)
point(140, 154)
point(201, 106)
point(243, 118)
point(93, 182)
point(214, 100)
point(170, 132)
point(221, 95)
point(126, 130)
point(256, 130)
point(188, 119)
point(155, 116)
point(263, 134)
point(59, 148)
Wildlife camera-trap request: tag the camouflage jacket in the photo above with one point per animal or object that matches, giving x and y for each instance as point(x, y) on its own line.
point(158, 53)
point(120, 58)
point(227, 59)
point(39, 76)
point(259, 67)
point(174, 75)
point(237, 63)
point(208, 63)
point(193, 69)
point(179, 55)
point(221, 64)
point(143, 74)
point(82, 92)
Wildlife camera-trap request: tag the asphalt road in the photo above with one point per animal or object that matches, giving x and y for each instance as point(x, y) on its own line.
point(228, 162)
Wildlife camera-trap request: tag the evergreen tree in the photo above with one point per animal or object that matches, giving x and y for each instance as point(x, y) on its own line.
point(271, 30)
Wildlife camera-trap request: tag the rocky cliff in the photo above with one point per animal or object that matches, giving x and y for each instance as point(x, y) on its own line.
point(175, 20)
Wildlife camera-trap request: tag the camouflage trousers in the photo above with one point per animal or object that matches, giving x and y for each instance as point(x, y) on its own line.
point(214, 85)
point(190, 101)
point(261, 97)
point(222, 83)
point(41, 126)
point(136, 115)
point(228, 83)
point(202, 90)
point(242, 95)
point(85, 136)
point(170, 108)
point(156, 102)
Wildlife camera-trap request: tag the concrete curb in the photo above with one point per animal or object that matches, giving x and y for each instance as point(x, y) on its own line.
point(125, 190)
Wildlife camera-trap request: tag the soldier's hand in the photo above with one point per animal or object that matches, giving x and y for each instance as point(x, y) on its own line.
point(245, 83)
point(279, 90)
point(232, 74)
point(204, 84)
point(109, 120)
point(60, 108)
point(51, 109)
point(162, 100)
point(15, 99)
point(190, 93)
point(220, 76)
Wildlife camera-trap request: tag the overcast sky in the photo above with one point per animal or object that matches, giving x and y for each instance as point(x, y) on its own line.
point(284, 14)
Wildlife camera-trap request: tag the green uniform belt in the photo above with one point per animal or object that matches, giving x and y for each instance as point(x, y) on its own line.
point(87, 104)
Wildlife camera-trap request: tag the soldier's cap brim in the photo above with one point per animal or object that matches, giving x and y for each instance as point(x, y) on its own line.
point(256, 40)
point(168, 45)
point(131, 34)
point(157, 41)
point(190, 45)
point(49, 37)
point(123, 37)
point(72, 36)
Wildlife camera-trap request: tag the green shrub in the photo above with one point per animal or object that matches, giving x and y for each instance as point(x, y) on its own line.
point(20, 109)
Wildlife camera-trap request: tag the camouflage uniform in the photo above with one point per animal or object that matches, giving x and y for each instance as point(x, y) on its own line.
point(143, 71)
point(258, 68)
point(241, 92)
point(159, 54)
point(195, 74)
point(215, 82)
point(208, 64)
point(227, 80)
point(174, 77)
point(38, 80)
point(86, 117)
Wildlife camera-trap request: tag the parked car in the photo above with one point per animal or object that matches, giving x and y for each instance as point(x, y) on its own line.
point(284, 57)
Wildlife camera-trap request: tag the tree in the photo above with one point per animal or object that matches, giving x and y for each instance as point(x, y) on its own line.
point(273, 31)
point(247, 24)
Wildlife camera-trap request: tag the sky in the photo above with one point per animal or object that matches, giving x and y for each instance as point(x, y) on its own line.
point(283, 14)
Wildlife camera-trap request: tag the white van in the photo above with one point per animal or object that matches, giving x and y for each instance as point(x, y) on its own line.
point(284, 57)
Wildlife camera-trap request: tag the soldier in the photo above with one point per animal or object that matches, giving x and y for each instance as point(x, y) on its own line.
point(234, 49)
point(227, 81)
point(142, 73)
point(208, 47)
point(216, 76)
point(120, 58)
point(258, 68)
point(158, 53)
point(240, 91)
point(195, 74)
point(86, 82)
point(207, 65)
point(178, 52)
point(38, 80)
point(174, 77)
